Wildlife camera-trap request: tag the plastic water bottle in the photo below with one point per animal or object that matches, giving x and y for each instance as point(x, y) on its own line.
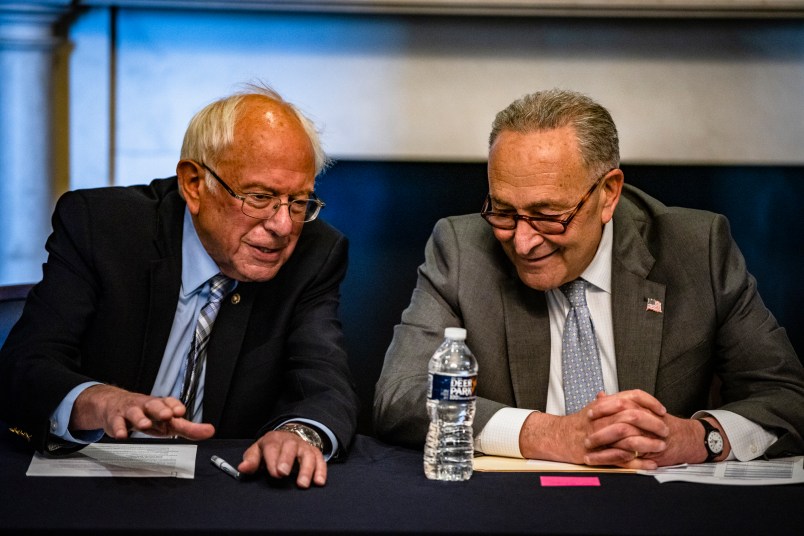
point(449, 448)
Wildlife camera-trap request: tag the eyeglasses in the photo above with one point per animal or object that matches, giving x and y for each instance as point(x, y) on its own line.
point(551, 225)
point(265, 206)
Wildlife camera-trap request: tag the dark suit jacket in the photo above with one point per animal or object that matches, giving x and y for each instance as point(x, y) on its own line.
point(104, 309)
point(713, 322)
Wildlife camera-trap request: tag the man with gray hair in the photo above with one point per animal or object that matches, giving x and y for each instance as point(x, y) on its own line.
point(202, 304)
point(599, 317)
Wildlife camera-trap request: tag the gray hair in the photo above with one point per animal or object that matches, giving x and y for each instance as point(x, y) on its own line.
point(211, 130)
point(556, 108)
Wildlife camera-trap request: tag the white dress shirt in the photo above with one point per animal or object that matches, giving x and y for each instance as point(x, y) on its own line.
point(500, 436)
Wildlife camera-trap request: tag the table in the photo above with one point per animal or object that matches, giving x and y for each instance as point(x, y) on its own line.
point(381, 489)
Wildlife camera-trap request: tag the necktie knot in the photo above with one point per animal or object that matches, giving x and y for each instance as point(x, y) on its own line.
point(219, 287)
point(575, 291)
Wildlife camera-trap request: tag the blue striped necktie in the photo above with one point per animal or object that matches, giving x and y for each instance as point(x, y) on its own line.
point(580, 362)
point(220, 286)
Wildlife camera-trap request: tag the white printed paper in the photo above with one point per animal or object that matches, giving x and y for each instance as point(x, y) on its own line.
point(735, 473)
point(119, 460)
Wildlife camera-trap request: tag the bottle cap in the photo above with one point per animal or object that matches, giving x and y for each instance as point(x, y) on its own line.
point(458, 334)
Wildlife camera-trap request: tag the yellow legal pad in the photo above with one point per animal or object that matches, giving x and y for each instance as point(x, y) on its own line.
point(501, 464)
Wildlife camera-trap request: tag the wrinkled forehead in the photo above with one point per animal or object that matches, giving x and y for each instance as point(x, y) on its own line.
point(528, 163)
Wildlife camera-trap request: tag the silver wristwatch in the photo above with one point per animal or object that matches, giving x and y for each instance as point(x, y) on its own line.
point(308, 434)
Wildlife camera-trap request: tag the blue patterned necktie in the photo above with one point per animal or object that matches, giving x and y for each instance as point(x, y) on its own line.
point(220, 286)
point(580, 363)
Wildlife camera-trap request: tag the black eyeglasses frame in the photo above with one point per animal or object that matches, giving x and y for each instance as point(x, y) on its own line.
point(563, 219)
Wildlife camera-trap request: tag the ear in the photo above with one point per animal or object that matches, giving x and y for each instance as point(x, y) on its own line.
point(191, 181)
point(611, 188)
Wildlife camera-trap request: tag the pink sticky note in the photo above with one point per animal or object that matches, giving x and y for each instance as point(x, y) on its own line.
point(570, 481)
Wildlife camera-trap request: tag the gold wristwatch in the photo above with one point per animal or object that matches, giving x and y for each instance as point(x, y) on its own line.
point(307, 433)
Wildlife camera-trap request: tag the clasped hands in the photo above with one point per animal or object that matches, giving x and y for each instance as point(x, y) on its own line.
point(119, 412)
point(629, 429)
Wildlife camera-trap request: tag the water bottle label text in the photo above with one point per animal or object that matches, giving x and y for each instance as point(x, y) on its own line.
point(444, 387)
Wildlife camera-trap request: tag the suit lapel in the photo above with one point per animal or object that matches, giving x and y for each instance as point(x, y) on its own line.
point(224, 347)
point(165, 284)
point(637, 327)
point(528, 334)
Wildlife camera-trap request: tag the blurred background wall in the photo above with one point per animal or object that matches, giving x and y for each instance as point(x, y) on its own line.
point(708, 97)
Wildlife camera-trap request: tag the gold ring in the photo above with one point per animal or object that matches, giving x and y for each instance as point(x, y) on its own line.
point(636, 454)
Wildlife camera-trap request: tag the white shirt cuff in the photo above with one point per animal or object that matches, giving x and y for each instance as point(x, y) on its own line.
point(748, 440)
point(500, 436)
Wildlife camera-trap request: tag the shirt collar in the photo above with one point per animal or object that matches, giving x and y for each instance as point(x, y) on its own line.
point(598, 273)
point(196, 264)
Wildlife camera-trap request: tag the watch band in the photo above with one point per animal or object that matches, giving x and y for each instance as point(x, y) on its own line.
point(305, 432)
point(708, 430)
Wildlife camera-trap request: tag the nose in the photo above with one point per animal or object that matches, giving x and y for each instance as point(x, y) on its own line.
point(526, 238)
point(280, 223)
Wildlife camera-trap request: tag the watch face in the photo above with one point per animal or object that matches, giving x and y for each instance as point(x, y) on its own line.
point(715, 442)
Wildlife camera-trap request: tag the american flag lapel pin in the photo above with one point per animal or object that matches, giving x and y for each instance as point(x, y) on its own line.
point(654, 305)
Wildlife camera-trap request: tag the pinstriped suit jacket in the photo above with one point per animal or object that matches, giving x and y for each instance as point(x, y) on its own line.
point(714, 322)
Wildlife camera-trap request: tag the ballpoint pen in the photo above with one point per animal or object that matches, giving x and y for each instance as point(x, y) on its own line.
point(221, 464)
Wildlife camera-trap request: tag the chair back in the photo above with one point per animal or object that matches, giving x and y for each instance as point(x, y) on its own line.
point(12, 300)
